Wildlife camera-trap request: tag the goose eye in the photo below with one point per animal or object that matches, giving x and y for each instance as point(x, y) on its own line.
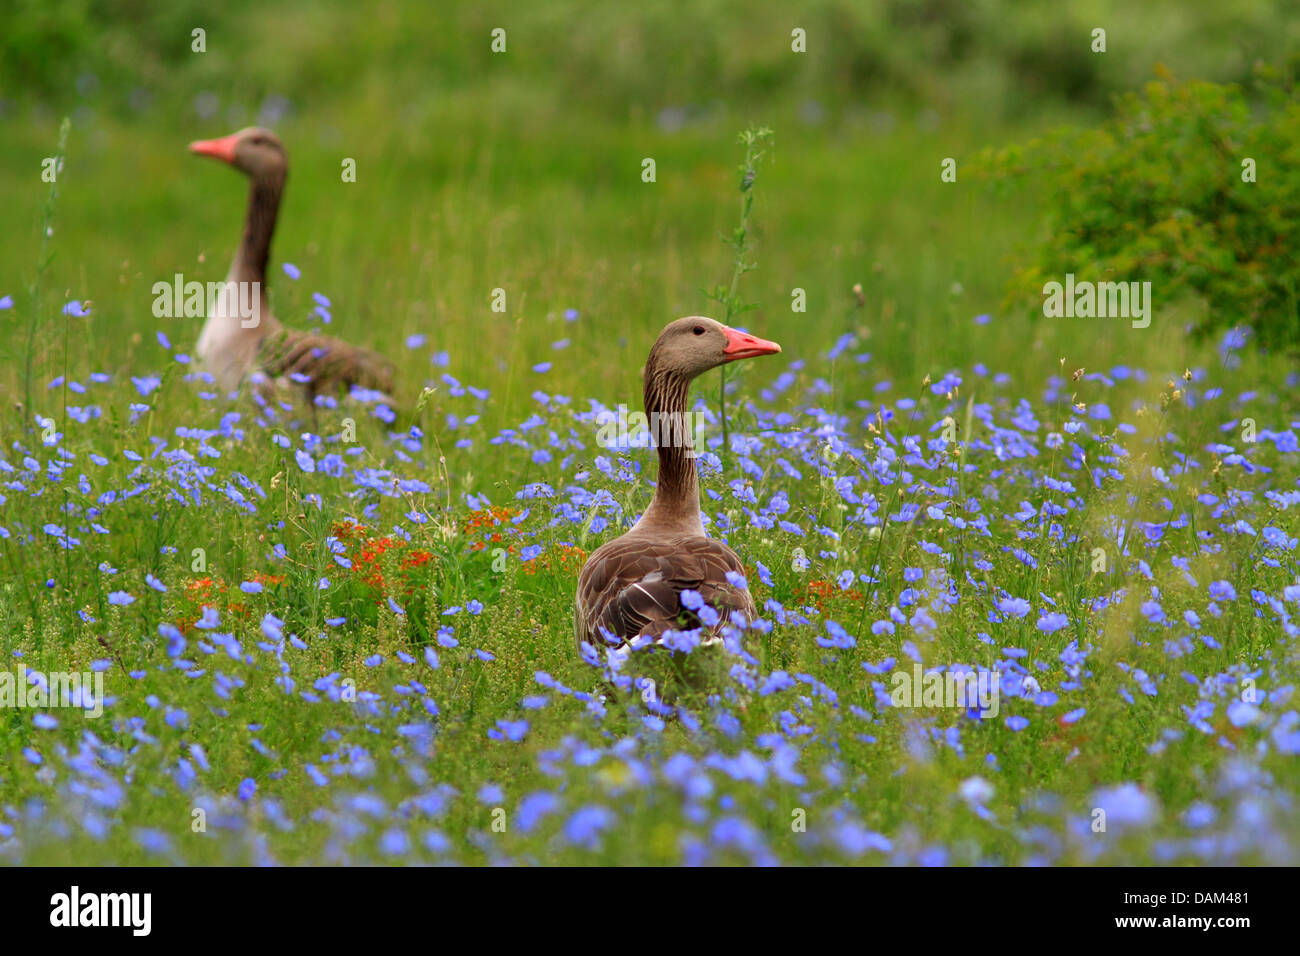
point(698, 330)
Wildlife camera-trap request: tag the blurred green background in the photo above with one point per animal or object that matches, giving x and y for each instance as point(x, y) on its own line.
point(522, 170)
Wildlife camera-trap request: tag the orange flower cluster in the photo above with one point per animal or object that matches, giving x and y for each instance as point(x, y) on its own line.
point(200, 589)
point(204, 592)
point(487, 518)
point(209, 592)
point(349, 531)
point(565, 558)
point(368, 558)
point(819, 594)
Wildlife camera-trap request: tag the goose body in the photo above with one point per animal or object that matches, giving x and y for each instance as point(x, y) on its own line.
point(241, 334)
point(630, 588)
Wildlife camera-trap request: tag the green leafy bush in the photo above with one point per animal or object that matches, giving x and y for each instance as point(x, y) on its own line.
point(1194, 187)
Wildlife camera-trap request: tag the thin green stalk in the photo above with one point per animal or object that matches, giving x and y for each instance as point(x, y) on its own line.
point(42, 265)
point(755, 142)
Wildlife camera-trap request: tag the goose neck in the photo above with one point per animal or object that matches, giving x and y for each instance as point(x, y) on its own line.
point(676, 500)
point(259, 226)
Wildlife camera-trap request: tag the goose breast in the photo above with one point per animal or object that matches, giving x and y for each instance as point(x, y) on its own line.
point(632, 587)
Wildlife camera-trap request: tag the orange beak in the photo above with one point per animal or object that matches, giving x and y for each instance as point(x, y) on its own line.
point(222, 149)
point(742, 345)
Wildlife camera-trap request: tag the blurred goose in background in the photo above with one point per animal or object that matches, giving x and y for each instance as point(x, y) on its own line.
point(631, 587)
point(241, 334)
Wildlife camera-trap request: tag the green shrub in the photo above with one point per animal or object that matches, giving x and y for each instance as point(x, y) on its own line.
point(1163, 192)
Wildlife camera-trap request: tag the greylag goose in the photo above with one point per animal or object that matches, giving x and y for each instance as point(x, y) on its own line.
point(631, 587)
point(241, 334)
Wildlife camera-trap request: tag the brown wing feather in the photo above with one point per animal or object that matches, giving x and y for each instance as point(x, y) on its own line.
point(632, 586)
point(327, 363)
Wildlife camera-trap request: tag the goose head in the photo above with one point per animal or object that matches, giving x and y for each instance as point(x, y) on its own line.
point(256, 152)
point(692, 346)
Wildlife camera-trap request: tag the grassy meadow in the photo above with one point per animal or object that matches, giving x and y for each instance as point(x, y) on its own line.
point(345, 635)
